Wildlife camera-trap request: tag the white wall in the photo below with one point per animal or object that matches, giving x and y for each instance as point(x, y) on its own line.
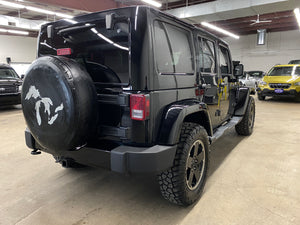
point(19, 49)
point(280, 47)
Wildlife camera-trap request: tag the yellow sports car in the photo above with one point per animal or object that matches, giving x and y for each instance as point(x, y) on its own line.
point(281, 80)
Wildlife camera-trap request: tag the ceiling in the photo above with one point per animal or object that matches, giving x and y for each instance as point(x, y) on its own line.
point(272, 22)
point(236, 17)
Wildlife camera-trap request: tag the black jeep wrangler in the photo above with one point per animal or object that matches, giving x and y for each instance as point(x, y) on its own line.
point(137, 91)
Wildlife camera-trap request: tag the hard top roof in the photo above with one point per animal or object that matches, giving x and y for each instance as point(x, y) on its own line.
point(154, 10)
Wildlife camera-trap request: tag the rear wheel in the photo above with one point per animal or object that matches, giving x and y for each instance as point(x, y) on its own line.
point(183, 183)
point(245, 127)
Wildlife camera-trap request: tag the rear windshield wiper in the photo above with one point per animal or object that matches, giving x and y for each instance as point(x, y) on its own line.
point(76, 29)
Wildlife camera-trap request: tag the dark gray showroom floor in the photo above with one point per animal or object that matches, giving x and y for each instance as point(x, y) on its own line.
point(252, 180)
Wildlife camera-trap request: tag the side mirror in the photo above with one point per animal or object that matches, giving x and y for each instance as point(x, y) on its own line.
point(22, 76)
point(239, 70)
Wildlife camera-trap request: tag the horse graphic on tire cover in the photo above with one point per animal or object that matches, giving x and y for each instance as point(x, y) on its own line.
point(34, 93)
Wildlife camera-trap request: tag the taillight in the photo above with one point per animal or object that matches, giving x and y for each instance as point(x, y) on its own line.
point(64, 51)
point(139, 106)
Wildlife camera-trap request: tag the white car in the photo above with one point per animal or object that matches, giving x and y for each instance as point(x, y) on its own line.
point(251, 80)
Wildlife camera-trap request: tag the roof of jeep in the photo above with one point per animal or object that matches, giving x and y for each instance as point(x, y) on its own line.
point(153, 10)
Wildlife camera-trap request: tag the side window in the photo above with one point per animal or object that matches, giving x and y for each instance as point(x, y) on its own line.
point(200, 54)
point(209, 57)
point(173, 51)
point(163, 56)
point(181, 49)
point(225, 65)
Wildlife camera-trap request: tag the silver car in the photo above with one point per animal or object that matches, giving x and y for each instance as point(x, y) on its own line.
point(251, 80)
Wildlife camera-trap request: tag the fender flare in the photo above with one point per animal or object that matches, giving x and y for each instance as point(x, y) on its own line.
point(243, 95)
point(175, 114)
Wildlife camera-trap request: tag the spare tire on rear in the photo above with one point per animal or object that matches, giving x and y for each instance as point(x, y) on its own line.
point(59, 103)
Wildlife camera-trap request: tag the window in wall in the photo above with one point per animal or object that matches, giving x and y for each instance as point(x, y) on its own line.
point(225, 65)
point(173, 51)
point(209, 57)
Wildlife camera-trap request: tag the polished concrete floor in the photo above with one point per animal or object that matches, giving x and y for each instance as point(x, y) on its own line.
point(252, 180)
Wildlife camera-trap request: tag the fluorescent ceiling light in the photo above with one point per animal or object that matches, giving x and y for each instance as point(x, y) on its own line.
point(35, 9)
point(39, 10)
point(154, 3)
point(14, 31)
point(297, 14)
point(18, 32)
point(36, 28)
point(219, 30)
point(64, 15)
point(11, 4)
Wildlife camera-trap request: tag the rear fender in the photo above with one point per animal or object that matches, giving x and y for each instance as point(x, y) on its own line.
point(177, 113)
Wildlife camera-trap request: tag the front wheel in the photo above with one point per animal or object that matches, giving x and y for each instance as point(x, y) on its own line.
point(245, 127)
point(183, 183)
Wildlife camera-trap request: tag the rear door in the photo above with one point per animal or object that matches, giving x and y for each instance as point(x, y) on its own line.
point(209, 76)
point(225, 69)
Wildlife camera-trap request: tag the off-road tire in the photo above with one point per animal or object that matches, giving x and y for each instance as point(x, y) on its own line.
point(260, 97)
point(245, 127)
point(173, 182)
point(58, 103)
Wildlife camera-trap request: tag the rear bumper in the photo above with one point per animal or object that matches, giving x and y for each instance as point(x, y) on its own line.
point(10, 99)
point(122, 159)
point(268, 92)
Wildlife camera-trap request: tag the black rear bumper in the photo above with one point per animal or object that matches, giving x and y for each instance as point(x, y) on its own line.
point(122, 159)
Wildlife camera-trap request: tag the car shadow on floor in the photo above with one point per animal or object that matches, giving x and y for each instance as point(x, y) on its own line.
point(136, 196)
point(280, 99)
point(10, 108)
point(222, 148)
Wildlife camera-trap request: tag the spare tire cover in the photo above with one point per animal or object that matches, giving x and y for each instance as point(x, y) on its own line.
point(59, 103)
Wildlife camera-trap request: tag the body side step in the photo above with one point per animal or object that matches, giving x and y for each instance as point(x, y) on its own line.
point(225, 128)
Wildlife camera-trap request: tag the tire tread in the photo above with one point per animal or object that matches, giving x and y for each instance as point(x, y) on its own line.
point(170, 181)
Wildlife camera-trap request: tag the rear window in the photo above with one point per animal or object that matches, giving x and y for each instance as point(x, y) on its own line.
point(173, 51)
point(104, 53)
point(285, 71)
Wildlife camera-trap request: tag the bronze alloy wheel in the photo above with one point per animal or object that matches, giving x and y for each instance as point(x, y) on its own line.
point(183, 183)
point(251, 116)
point(195, 165)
